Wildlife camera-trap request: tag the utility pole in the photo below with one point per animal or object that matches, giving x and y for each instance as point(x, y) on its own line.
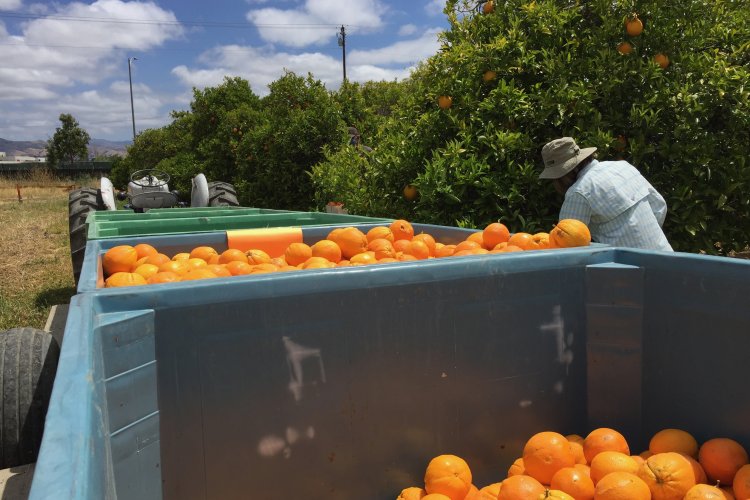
point(130, 79)
point(342, 44)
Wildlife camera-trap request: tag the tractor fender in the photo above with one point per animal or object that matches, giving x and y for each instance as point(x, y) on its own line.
point(199, 193)
point(108, 193)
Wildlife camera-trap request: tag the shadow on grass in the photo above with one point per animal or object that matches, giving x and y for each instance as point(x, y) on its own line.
point(54, 296)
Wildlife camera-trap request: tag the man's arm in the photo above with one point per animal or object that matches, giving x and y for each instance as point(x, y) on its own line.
point(576, 206)
point(658, 205)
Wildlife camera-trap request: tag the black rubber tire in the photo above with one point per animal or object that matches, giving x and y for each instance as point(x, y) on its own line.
point(28, 363)
point(80, 203)
point(222, 194)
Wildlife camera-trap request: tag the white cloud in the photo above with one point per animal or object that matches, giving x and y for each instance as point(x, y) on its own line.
point(10, 4)
point(402, 52)
point(434, 7)
point(407, 30)
point(315, 22)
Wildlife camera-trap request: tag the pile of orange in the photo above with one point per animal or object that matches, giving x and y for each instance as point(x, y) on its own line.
point(142, 264)
point(601, 467)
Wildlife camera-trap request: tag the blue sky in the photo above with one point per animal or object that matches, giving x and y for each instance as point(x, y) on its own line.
point(72, 57)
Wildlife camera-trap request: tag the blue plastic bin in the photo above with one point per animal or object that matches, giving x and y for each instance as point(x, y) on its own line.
point(343, 383)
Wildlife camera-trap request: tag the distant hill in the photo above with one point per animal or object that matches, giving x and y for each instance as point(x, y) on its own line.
point(97, 147)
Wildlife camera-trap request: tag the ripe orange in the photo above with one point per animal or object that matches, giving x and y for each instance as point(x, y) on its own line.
point(449, 475)
point(698, 472)
point(556, 495)
point(577, 449)
point(668, 475)
point(364, 258)
point(412, 493)
point(410, 193)
point(634, 26)
point(402, 230)
point(428, 240)
point(621, 486)
point(488, 7)
point(124, 279)
point(200, 273)
point(219, 270)
point(264, 268)
point(179, 267)
point(604, 439)
point(351, 241)
point(181, 256)
point(489, 492)
point(721, 458)
point(575, 438)
point(445, 251)
point(196, 263)
point(436, 496)
point(146, 270)
point(574, 482)
point(401, 245)
point(418, 249)
point(478, 237)
point(511, 248)
point(520, 487)
point(405, 256)
point(145, 250)
point(328, 250)
point(334, 233)
point(257, 256)
point(541, 240)
point(624, 48)
point(741, 482)
point(662, 60)
point(473, 493)
point(231, 255)
point(611, 461)
point(119, 259)
point(297, 253)
point(516, 467)
point(380, 232)
point(545, 453)
point(383, 248)
point(238, 268)
point(494, 234)
point(445, 101)
point(163, 277)
point(317, 263)
point(569, 233)
point(704, 492)
point(466, 245)
point(157, 259)
point(205, 253)
point(524, 241)
point(489, 75)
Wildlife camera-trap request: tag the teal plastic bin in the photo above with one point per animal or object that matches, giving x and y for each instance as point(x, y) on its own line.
point(343, 383)
point(172, 222)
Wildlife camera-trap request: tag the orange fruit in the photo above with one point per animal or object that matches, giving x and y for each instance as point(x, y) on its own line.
point(380, 232)
point(382, 247)
point(286, 268)
point(445, 102)
point(121, 278)
point(264, 268)
point(511, 248)
point(668, 475)
point(575, 438)
point(449, 475)
point(428, 240)
point(556, 495)
point(219, 270)
point(175, 266)
point(624, 48)
point(231, 255)
point(405, 256)
point(621, 486)
point(524, 241)
point(675, 440)
point(328, 250)
point(401, 245)
point(157, 259)
point(704, 492)
point(662, 60)
point(545, 453)
point(741, 482)
point(516, 467)
point(343, 263)
point(721, 458)
point(402, 230)
point(181, 256)
point(334, 233)
point(436, 496)
point(351, 241)
point(205, 253)
point(489, 492)
point(410, 192)
point(611, 461)
point(584, 469)
point(317, 263)
point(387, 260)
point(473, 493)
point(418, 249)
point(634, 26)
point(445, 251)
point(163, 277)
point(569, 233)
point(238, 268)
point(574, 482)
point(297, 253)
point(466, 245)
point(478, 237)
point(541, 240)
point(364, 258)
point(645, 454)
point(195, 263)
point(604, 439)
point(520, 487)
point(145, 250)
point(698, 472)
point(412, 493)
point(199, 273)
point(577, 449)
point(257, 256)
point(119, 259)
point(146, 270)
point(494, 234)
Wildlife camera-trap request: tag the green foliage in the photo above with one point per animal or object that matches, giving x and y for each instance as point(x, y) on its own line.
point(68, 144)
point(558, 73)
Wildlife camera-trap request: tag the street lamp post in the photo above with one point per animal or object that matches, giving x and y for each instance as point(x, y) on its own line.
point(130, 79)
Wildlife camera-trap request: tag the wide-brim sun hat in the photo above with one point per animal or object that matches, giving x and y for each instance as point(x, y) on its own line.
point(561, 156)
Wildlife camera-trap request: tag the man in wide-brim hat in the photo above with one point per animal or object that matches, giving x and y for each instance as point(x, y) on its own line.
point(618, 204)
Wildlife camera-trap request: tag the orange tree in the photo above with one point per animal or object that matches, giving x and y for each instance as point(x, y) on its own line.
point(531, 71)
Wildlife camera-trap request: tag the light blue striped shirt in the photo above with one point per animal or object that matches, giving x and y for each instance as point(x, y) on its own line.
point(619, 205)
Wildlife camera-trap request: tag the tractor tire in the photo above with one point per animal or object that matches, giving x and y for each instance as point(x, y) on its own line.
point(222, 194)
point(28, 363)
point(81, 202)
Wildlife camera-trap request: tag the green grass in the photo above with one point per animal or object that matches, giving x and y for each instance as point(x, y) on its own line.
point(35, 257)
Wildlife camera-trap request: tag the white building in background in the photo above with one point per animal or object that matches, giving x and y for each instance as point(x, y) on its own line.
point(21, 159)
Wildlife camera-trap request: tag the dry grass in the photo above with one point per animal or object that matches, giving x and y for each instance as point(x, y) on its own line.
point(36, 270)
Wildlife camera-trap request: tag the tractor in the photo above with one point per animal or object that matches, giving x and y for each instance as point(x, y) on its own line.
point(147, 189)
